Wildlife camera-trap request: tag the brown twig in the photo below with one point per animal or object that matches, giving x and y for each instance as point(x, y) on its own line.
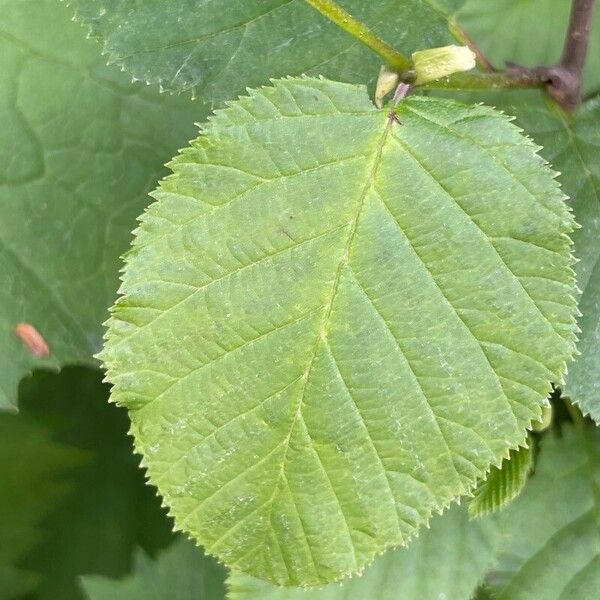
point(564, 80)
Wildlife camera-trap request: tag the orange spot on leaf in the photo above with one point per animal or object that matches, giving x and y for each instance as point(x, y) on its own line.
point(33, 339)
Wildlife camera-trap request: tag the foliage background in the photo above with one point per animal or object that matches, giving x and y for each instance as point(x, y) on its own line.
point(81, 147)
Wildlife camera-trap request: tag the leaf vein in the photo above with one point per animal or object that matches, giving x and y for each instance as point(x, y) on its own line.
point(418, 161)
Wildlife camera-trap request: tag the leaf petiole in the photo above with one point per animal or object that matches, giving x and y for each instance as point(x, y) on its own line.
point(486, 81)
point(335, 13)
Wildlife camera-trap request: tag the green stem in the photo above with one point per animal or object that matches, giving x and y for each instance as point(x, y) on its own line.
point(491, 82)
point(514, 77)
point(335, 13)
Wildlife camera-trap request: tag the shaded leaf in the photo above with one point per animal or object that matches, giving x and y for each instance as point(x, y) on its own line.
point(109, 510)
point(503, 484)
point(551, 544)
point(325, 308)
point(182, 572)
point(32, 482)
point(447, 561)
point(80, 150)
point(216, 49)
point(15, 582)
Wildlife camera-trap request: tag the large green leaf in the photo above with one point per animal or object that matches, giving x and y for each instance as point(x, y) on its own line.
point(551, 541)
point(182, 572)
point(32, 470)
point(573, 146)
point(447, 561)
point(329, 308)
point(80, 150)
point(529, 32)
point(217, 49)
point(109, 510)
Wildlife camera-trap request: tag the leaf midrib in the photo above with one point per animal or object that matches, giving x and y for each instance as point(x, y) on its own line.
point(322, 334)
point(211, 212)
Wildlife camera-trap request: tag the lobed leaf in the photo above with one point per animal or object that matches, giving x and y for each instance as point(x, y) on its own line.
point(329, 306)
point(551, 546)
point(217, 49)
point(447, 561)
point(81, 148)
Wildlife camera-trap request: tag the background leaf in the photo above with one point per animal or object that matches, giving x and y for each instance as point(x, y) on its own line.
point(380, 335)
point(528, 32)
point(447, 561)
point(181, 572)
point(217, 49)
point(32, 470)
point(80, 150)
point(106, 511)
point(550, 549)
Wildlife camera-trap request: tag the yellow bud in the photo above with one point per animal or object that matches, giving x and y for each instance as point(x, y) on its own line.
point(436, 63)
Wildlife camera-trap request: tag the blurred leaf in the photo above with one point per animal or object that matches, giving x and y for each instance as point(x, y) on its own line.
point(15, 583)
point(447, 561)
point(503, 484)
point(81, 148)
point(109, 510)
point(550, 547)
point(217, 49)
point(482, 593)
point(33, 480)
point(182, 572)
point(528, 32)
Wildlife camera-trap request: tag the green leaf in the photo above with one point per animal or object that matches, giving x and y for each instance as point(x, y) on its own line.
point(217, 49)
point(483, 593)
point(447, 561)
point(181, 572)
point(330, 308)
point(573, 146)
point(503, 484)
point(32, 469)
point(80, 150)
point(15, 583)
point(447, 7)
point(109, 510)
point(528, 32)
point(551, 542)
